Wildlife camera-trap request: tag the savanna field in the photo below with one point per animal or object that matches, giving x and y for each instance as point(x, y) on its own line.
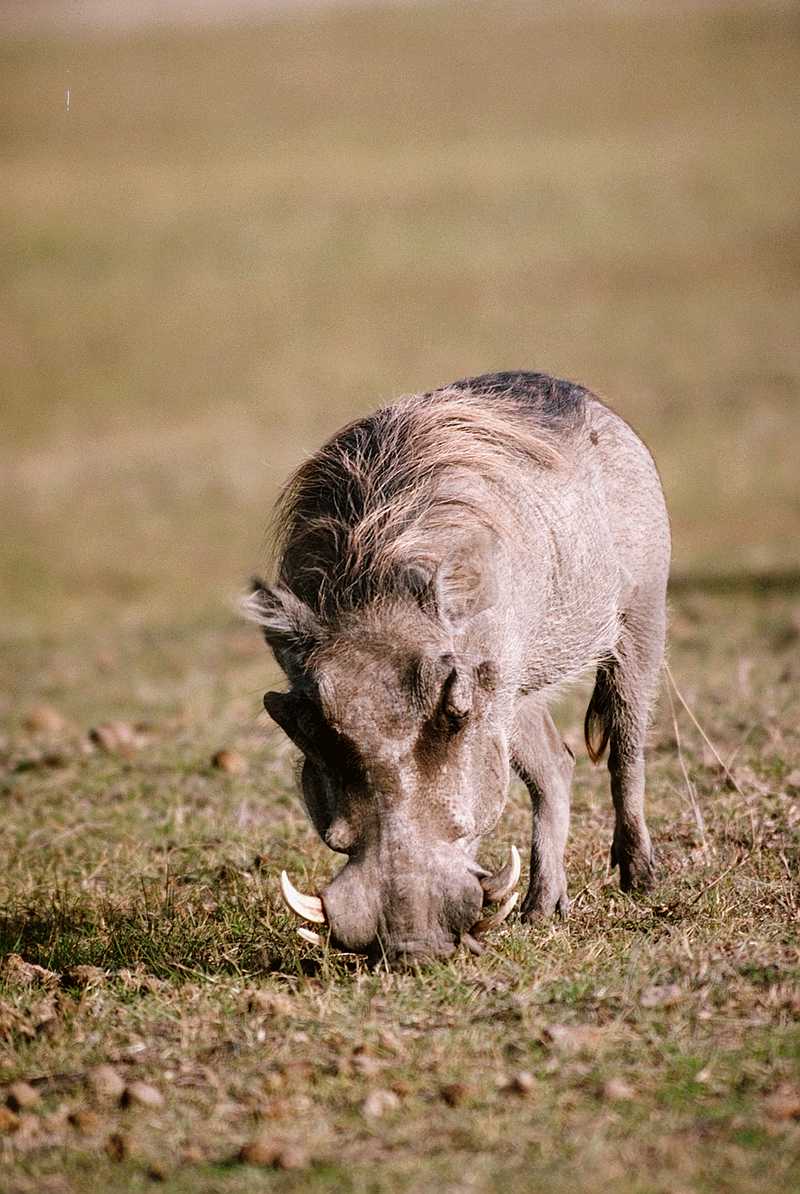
point(229, 242)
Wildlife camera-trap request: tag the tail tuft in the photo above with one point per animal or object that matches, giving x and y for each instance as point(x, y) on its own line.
point(597, 723)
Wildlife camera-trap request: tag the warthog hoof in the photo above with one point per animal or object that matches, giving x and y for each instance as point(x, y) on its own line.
point(542, 901)
point(636, 865)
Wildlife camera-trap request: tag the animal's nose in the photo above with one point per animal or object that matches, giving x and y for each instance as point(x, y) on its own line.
point(349, 902)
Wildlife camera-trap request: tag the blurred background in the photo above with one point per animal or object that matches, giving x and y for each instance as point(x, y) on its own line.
point(229, 227)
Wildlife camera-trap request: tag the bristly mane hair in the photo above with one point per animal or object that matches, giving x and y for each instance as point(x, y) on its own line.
point(363, 506)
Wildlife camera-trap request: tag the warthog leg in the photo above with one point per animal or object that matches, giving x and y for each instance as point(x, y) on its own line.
point(544, 764)
point(624, 694)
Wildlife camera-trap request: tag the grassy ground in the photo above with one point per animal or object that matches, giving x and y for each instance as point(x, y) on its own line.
point(231, 242)
point(658, 1038)
point(235, 239)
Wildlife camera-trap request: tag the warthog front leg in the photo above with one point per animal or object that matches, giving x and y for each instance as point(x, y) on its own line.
point(544, 764)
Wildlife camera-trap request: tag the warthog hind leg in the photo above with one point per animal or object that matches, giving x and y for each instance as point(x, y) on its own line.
point(621, 706)
point(544, 764)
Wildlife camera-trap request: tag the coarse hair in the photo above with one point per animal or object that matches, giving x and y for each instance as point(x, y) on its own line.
point(366, 503)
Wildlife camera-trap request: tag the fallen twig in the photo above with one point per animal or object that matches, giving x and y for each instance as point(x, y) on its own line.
point(736, 863)
point(696, 810)
point(726, 771)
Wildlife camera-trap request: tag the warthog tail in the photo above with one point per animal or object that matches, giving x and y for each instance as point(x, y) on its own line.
point(597, 723)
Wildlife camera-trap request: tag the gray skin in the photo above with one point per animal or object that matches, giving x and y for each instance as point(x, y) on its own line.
point(414, 699)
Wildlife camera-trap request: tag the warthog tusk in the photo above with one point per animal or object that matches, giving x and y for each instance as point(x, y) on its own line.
point(495, 918)
point(308, 906)
point(472, 945)
point(499, 885)
point(309, 935)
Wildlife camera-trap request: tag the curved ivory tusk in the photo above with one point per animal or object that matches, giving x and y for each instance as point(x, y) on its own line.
point(472, 945)
point(495, 918)
point(309, 935)
point(498, 886)
point(308, 906)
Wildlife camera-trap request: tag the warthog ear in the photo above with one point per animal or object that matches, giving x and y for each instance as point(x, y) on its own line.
point(465, 581)
point(290, 627)
point(282, 708)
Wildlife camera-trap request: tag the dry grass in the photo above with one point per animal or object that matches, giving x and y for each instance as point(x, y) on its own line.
point(661, 1034)
point(232, 243)
point(236, 240)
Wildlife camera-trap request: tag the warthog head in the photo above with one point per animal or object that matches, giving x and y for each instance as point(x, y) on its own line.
point(405, 763)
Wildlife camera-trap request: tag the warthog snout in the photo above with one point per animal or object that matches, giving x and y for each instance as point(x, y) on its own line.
point(417, 911)
point(420, 911)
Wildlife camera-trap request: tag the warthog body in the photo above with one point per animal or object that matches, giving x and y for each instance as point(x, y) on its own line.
point(446, 564)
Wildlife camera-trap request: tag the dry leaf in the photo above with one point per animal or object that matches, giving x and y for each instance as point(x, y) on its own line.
point(21, 1095)
point(19, 973)
point(116, 738)
point(142, 1093)
point(118, 1146)
point(264, 1151)
point(85, 1120)
point(44, 719)
point(270, 1003)
point(661, 996)
point(389, 1042)
point(617, 1090)
point(521, 1083)
point(139, 980)
point(363, 1061)
point(9, 1121)
point(44, 1013)
point(85, 976)
point(379, 1103)
point(783, 1103)
point(106, 1082)
point(230, 761)
point(455, 1093)
point(291, 1157)
point(571, 1038)
point(29, 1126)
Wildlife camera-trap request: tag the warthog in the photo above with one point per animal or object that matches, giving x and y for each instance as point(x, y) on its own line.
point(446, 565)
